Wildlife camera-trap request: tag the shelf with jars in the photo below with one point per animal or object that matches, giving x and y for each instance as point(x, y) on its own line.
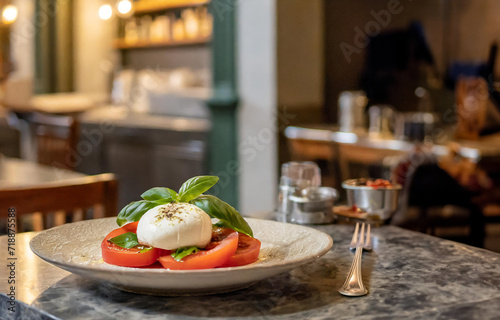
point(174, 23)
point(149, 6)
point(123, 44)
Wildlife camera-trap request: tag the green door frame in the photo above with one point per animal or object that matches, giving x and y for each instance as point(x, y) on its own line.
point(53, 46)
point(223, 155)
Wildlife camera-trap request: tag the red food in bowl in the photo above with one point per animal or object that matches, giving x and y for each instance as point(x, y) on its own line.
point(379, 183)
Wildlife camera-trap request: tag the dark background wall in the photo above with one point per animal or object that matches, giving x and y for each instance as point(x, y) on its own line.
point(455, 30)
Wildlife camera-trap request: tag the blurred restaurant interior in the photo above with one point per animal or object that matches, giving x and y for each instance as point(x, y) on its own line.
point(156, 92)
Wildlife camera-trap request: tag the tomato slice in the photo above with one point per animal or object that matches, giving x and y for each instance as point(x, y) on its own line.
point(247, 252)
point(131, 227)
point(133, 257)
point(217, 253)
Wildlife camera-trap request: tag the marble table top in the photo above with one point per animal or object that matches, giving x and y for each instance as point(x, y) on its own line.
point(408, 275)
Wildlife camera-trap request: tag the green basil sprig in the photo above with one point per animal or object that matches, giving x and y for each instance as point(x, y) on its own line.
point(183, 252)
point(158, 193)
point(191, 191)
point(135, 210)
point(195, 186)
point(227, 215)
point(127, 240)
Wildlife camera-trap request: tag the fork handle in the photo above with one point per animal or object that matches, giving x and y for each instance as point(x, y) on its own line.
point(353, 285)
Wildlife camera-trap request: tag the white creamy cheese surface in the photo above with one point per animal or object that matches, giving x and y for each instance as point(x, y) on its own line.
point(175, 225)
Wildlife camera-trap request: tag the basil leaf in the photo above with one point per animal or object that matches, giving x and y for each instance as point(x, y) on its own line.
point(160, 194)
point(195, 187)
point(173, 194)
point(228, 215)
point(127, 240)
point(146, 249)
point(218, 225)
point(135, 210)
point(180, 253)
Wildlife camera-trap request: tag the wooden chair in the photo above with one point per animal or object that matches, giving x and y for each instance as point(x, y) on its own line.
point(99, 193)
point(56, 138)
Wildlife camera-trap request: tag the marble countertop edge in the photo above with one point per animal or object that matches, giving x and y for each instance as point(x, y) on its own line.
point(23, 311)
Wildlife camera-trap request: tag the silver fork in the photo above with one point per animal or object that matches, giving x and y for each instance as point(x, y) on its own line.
point(353, 285)
point(368, 242)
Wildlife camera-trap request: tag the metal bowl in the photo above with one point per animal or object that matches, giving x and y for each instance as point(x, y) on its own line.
point(314, 205)
point(379, 203)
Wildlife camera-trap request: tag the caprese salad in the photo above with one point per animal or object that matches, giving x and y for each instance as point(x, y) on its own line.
point(174, 230)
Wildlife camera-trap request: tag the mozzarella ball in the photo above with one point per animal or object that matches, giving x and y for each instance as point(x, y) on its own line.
point(175, 225)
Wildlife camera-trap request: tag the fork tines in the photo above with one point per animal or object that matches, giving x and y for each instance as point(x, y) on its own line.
point(366, 244)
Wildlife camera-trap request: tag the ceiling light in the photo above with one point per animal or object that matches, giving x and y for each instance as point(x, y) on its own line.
point(105, 12)
point(124, 7)
point(9, 14)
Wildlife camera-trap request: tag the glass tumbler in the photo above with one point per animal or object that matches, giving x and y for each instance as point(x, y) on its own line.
point(295, 176)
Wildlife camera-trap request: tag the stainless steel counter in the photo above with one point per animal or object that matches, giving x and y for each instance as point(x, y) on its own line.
point(117, 116)
point(143, 150)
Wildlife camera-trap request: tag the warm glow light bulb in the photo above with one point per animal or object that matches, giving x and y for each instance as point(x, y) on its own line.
point(105, 12)
point(124, 6)
point(9, 14)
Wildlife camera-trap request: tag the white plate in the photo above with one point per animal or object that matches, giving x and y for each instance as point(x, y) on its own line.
point(76, 247)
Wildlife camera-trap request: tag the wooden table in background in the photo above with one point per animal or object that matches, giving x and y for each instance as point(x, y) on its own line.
point(326, 143)
point(16, 173)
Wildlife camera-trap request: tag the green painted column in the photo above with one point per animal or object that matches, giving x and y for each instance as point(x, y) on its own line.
point(45, 60)
point(223, 157)
point(53, 46)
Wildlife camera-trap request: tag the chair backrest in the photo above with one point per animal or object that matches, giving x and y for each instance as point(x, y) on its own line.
point(99, 192)
point(56, 137)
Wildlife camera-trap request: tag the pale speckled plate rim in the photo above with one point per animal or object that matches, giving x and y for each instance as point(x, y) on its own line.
point(134, 271)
